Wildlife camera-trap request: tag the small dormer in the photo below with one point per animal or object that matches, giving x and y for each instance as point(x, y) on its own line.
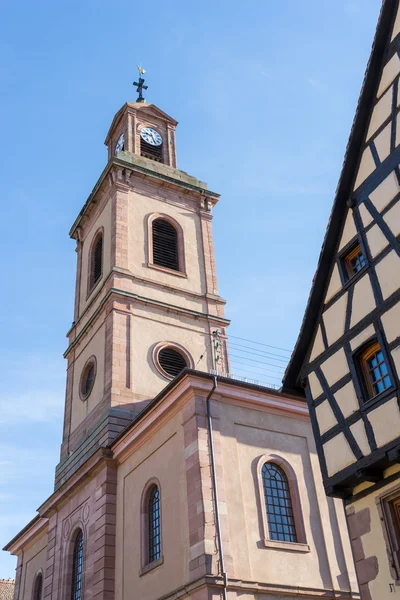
point(145, 130)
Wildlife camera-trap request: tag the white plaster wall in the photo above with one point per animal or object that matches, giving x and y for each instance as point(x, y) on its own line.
point(334, 319)
point(384, 192)
point(335, 284)
point(335, 367)
point(349, 230)
point(338, 454)
point(380, 113)
point(388, 271)
point(385, 421)
point(363, 300)
point(347, 399)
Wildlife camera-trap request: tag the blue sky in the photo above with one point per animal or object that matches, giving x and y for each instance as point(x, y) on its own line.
point(265, 94)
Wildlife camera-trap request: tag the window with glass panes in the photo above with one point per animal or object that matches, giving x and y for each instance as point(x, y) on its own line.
point(354, 261)
point(77, 568)
point(278, 504)
point(375, 370)
point(154, 525)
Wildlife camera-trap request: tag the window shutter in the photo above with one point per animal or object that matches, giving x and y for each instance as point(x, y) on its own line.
point(165, 245)
point(97, 260)
point(149, 151)
point(171, 361)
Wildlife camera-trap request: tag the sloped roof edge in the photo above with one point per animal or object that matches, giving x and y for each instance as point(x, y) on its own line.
point(343, 191)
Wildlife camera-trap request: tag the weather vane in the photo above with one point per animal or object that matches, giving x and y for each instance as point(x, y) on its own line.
point(140, 86)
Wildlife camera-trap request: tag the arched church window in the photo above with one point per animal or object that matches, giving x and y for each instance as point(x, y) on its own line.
point(165, 244)
point(154, 525)
point(96, 260)
point(77, 568)
point(278, 504)
point(38, 587)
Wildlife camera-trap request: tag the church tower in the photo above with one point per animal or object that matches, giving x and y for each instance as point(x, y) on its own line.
point(174, 483)
point(146, 300)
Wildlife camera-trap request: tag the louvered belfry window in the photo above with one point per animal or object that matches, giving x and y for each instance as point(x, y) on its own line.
point(77, 568)
point(149, 151)
point(97, 260)
point(278, 504)
point(154, 525)
point(165, 245)
point(171, 361)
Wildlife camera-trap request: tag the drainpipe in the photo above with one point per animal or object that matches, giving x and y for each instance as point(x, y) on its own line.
point(214, 483)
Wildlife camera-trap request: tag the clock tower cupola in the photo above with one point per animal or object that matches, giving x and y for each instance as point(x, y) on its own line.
point(146, 300)
point(143, 130)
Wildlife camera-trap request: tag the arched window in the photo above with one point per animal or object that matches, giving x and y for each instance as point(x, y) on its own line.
point(165, 244)
point(278, 504)
point(77, 568)
point(374, 370)
point(38, 587)
point(154, 525)
point(96, 261)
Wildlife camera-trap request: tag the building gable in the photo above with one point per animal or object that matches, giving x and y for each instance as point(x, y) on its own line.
point(369, 180)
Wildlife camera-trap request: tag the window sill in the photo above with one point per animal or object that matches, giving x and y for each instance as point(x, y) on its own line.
point(379, 397)
point(95, 286)
point(166, 270)
point(151, 566)
point(353, 278)
point(292, 546)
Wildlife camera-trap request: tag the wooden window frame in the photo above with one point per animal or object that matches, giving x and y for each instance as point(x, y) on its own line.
point(347, 255)
point(301, 544)
point(364, 354)
point(391, 528)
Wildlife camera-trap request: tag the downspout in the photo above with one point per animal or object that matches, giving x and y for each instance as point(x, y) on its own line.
point(214, 484)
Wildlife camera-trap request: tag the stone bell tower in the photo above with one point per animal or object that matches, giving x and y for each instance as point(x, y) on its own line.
point(146, 301)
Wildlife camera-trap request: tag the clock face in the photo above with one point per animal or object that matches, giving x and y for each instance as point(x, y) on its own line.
point(120, 144)
point(151, 136)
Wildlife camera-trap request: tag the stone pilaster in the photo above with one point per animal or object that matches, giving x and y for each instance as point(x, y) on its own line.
point(204, 555)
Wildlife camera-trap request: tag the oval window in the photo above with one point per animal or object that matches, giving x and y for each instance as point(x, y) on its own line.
point(171, 361)
point(88, 377)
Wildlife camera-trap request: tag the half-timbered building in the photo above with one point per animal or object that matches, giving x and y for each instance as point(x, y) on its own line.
point(347, 357)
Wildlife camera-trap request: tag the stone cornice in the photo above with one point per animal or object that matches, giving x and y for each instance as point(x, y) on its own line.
point(141, 166)
point(86, 472)
point(192, 384)
point(29, 534)
point(144, 300)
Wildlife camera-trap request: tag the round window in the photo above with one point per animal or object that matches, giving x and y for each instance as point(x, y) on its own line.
point(171, 361)
point(87, 378)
